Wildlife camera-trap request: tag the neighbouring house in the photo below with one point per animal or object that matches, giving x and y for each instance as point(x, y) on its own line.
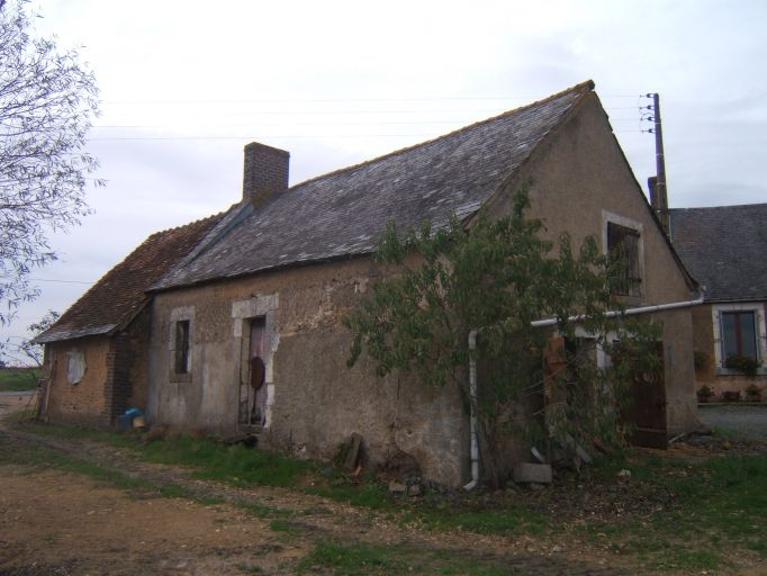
point(724, 248)
point(96, 354)
point(246, 333)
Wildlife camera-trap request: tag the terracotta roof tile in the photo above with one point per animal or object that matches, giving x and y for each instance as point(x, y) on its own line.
point(120, 294)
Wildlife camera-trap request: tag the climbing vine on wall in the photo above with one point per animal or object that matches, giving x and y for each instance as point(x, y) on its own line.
point(499, 276)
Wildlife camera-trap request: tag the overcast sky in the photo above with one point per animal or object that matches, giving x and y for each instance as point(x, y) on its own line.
point(185, 85)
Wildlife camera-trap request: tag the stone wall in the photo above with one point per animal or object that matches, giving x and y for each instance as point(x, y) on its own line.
point(315, 401)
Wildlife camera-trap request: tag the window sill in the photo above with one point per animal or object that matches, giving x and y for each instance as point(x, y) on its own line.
point(731, 372)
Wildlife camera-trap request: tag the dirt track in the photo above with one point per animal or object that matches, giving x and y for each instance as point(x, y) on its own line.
point(137, 517)
point(52, 522)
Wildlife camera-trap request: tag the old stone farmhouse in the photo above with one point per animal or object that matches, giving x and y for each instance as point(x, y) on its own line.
point(724, 248)
point(255, 301)
point(96, 354)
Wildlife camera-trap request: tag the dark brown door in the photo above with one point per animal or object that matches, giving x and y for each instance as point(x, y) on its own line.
point(647, 409)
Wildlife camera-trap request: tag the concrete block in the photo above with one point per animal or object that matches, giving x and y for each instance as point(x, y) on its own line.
point(536, 473)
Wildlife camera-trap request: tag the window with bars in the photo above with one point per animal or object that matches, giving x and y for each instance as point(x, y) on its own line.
point(623, 248)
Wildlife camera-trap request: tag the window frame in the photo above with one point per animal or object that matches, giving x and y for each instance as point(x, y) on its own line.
point(182, 316)
point(182, 346)
point(636, 289)
point(71, 354)
point(760, 335)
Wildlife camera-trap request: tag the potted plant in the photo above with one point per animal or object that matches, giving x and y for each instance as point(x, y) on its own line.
point(753, 393)
point(705, 393)
point(745, 364)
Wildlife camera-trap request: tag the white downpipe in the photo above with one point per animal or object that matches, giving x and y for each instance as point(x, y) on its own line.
point(473, 412)
point(537, 324)
point(627, 312)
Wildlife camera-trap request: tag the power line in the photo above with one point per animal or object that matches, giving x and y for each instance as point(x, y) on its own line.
point(53, 280)
point(260, 124)
point(340, 100)
point(251, 137)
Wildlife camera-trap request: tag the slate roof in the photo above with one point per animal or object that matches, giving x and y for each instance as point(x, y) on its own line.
point(724, 248)
point(119, 295)
point(343, 213)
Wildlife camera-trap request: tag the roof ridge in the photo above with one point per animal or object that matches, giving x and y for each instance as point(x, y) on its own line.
point(584, 87)
point(720, 207)
point(188, 224)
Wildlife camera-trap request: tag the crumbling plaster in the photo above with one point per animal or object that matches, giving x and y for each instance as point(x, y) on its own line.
point(314, 400)
point(317, 401)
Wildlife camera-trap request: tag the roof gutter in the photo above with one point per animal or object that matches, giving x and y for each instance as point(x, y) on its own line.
point(627, 312)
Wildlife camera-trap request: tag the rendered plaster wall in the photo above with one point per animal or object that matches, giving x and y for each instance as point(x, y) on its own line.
point(84, 402)
point(707, 371)
point(580, 180)
point(315, 401)
point(681, 401)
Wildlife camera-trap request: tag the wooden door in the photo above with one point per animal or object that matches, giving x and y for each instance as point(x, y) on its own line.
point(647, 410)
point(252, 409)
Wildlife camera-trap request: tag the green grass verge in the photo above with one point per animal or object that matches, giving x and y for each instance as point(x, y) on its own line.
point(716, 507)
point(370, 560)
point(18, 379)
point(720, 506)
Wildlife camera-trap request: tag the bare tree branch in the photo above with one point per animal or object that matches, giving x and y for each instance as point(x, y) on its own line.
point(47, 103)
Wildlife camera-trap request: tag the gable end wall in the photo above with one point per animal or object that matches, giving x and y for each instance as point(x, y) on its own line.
point(579, 177)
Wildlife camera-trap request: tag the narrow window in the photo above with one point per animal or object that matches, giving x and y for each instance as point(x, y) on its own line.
point(623, 247)
point(182, 358)
point(739, 333)
point(75, 366)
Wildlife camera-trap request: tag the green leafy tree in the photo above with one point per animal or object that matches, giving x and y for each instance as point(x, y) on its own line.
point(47, 102)
point(499, 277)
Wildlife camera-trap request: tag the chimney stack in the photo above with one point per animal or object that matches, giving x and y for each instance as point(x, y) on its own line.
point(265, 173)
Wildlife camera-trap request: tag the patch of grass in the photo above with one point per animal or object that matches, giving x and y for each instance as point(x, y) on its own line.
point(368, 494)
point(43, 457)
point(250, 568)
point(509, 520)
point(359, 559)
point(371, 560)
point(718, 505)
point(238, 465)
point(285, 526)
point(263, 511)
point(40, 456)
point(18, 379)
point(80, 433)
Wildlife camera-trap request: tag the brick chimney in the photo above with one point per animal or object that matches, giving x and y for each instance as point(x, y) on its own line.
point(265, 173)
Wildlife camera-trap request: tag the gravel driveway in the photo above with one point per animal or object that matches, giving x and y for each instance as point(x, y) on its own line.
point(743, 421)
